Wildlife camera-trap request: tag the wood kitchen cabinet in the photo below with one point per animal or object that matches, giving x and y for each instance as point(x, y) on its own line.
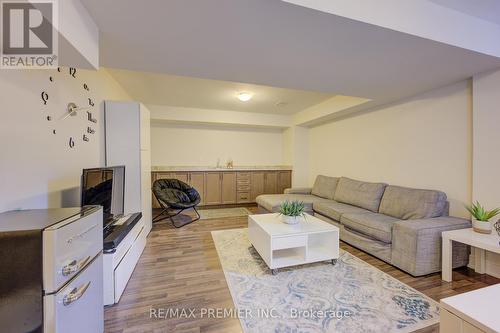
point(284, 181)
point(270, 182)
point(257, 185)
point(243, 188)
point(197, 180)
point(213, 188)
point(230, 187)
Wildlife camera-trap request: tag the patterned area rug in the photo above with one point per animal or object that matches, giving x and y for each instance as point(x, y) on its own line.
point(223, 212)
point(351, 296)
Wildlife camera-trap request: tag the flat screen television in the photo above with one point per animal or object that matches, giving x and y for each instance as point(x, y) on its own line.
point(105, 187)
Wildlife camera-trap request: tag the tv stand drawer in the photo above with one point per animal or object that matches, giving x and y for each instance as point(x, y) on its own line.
point(127, 243)
point(124, 270)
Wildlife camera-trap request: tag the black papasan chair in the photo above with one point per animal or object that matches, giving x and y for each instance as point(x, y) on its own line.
point(174, 195)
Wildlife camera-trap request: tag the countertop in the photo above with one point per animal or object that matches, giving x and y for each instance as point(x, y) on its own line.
point(213, 168)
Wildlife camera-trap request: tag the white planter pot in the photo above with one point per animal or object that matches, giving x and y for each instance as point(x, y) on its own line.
point(483, 227)
point(291, 219)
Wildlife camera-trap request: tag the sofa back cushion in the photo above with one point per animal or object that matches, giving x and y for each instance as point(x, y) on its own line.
point(408, 203)
point(361, 194)
point(325, 186)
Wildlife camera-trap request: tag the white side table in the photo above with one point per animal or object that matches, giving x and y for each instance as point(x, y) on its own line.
point(481, 242)
point(471, 312)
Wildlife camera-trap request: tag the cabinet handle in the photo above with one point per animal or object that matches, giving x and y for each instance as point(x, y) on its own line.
point(74, 266)
point(75, 294)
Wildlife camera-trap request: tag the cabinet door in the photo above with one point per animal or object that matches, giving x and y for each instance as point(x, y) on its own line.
point(284, 181)
point(182, 176)
point(449, 323)
point(229, 187)
point(270, 182)
point(163, 175)
point(256, 185)
point(213, 188)
point(197, 180)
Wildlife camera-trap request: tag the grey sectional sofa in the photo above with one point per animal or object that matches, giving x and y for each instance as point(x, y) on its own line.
point(399, 225)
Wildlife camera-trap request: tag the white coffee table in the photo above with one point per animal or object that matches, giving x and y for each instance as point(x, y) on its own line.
point(283, 245)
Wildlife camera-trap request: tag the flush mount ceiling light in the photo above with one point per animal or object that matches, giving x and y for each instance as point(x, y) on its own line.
point(244, 96)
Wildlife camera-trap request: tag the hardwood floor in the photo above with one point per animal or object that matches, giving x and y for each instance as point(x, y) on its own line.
point(180, 269)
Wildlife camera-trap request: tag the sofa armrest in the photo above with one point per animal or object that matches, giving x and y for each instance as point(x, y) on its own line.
point(298, 190)
point(416, 244)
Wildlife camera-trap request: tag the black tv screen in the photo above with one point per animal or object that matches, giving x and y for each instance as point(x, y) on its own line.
point(104, 187)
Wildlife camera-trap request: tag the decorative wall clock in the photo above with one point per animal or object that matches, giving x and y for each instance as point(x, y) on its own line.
point(80, 109)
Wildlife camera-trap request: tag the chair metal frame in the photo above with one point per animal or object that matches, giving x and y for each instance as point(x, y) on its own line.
point(165, 211)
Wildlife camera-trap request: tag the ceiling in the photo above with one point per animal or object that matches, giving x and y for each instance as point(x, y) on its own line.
point(488, 10)
point(163, 89)
point(277, 44)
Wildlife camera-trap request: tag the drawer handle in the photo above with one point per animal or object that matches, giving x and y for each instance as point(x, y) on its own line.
point(80, 235)
point(75, 294)
point(74, 266)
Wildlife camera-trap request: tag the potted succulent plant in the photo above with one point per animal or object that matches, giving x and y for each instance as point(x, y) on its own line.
point(292, 211)
point(481, 217)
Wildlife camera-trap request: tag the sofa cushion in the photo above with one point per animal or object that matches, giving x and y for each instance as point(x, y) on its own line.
point(408, 203)
point(357, 193)
point(374, 225)
point(325, 186)
point(334, 210)
point(272, 202)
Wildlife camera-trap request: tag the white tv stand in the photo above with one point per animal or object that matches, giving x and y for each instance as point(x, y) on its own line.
point(127, 130)
point(119, 265)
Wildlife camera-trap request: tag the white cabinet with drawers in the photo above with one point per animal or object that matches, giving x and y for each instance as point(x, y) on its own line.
point(471, 312)
point(51, 279)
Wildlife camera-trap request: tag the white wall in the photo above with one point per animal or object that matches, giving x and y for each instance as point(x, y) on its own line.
point(423, 142)
point(202, 145)
point(37, 168)
point(296, 153)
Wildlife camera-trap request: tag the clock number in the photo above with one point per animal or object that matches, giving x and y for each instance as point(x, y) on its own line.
point(59, 69)
point(54, 131)
point(45, 97)
point(86, 87)
point(90, 130)
point(71, 143)
point(85, 138)
point(72, 71)
point(49, 118)
point(91, 102)
point(90, 118)
point(51, 79)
